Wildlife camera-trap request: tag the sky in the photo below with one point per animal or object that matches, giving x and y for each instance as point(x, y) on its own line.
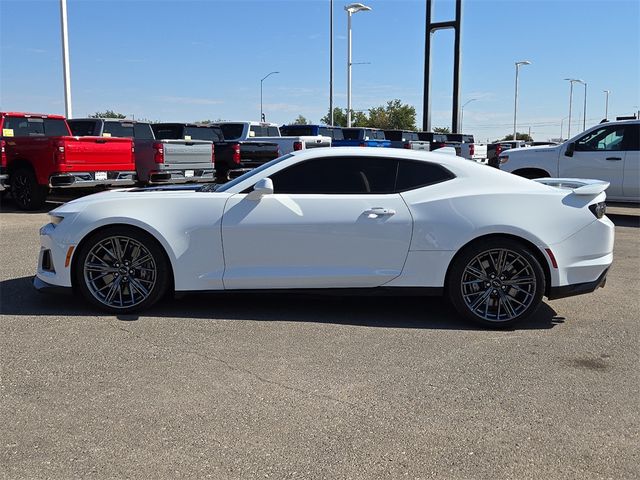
point(182, 60)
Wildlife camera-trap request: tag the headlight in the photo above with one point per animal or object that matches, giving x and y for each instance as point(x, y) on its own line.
point(56, 219)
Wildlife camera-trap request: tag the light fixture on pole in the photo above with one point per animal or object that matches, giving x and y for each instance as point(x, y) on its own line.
point(351, 9)
point(65, 59)
point(462, 110)
point(606, 103)
point(262, 119)
point(571, 82)
point(515, 102)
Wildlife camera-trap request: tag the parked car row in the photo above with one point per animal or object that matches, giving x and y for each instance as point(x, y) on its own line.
point(44, 153)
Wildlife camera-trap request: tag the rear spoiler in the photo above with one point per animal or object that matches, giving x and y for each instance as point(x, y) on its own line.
point(579, 186)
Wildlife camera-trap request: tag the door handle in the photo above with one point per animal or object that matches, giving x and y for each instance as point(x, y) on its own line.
point(614, 158)
point(379, 212)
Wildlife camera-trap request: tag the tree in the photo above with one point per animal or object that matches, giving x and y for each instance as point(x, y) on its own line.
point(108, 114)
point(393, 116)
point(519, 136)
point(300, 121)
point(358, 119)
point(441, 130)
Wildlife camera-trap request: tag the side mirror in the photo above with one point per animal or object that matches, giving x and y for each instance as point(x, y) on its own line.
point(261, 188)
point(570, 149)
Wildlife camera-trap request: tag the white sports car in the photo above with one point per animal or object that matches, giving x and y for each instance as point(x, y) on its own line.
point(339, 218)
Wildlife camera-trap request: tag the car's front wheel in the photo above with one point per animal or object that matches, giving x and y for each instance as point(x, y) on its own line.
point(496, 282)
point(122, 270)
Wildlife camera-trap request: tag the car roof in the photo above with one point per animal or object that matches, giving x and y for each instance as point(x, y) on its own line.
point(27, 115)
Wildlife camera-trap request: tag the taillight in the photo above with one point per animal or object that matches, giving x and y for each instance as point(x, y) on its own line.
point(472, 149)
point(407, 145)
point(598, 209)
point(362, 144)
point(498, 150)
point(158, 152)
point(297, 146)
point(59, 152)
point(439, 145)
point(3, 155)
point(236, 154)
point(213, 153)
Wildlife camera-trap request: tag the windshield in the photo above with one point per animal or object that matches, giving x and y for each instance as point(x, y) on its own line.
point(226, 186)
point(199, 133)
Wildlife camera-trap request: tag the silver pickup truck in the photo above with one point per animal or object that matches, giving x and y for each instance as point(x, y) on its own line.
point(157, 161)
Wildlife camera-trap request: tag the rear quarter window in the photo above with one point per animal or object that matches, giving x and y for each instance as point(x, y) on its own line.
point(413, 174)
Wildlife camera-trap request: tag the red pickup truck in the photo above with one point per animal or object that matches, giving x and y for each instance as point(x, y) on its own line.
point(39, 155)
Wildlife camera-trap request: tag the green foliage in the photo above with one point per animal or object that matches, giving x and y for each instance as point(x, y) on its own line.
point(300, 121)
point(519, 136)
point(394, 115)
point(108, 114)
point(441, 130)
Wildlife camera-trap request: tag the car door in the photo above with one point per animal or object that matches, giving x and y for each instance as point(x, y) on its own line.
point(631, 182)
point(597, 154)
point(332, 222)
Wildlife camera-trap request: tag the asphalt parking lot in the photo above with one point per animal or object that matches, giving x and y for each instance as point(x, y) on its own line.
point(257, 386)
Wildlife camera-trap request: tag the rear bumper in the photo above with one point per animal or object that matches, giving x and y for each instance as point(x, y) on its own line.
point(578, 288)
point(88, 179)
point(181, 176)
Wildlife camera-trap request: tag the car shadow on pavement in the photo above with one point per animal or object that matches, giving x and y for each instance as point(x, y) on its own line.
point(18, 297)
point(620, 220)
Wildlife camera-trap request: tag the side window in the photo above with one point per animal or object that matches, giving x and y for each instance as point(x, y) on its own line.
point(24, 127)
point(142, 131)
point(338, 175)
point(416, 174)
point(601, 139)
point(632, 138)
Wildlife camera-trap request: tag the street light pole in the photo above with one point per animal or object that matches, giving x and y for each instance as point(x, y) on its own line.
point(606, 103)
point(584, 109)
point(331, 62)
point(262, 118)
point(351, 9)
point(462, 111)
point(515, 102)
point(571, 82)
point(65, 59)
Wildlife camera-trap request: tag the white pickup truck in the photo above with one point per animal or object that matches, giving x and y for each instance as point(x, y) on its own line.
point(608, 151)
point(468, 148)
point(269, 132)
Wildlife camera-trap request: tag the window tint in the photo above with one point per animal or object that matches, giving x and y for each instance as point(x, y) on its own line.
point(82, 128)
point(632, 138)
point(232, 131)
point(118, 129)
point(167, 132)
point(273, 132)
point(394, 135)
point(142, 131)
point(336, 133)
point(601, 139)
point(352, 133)
point(338, 175)
point(416, 174)
point(199, 133)
point(295, 130)
point(217, 133)
point(34, 127)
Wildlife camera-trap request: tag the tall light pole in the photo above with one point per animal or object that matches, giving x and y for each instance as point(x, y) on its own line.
point(331, 62)
point(462, 111)
point(606, 103)
point(561, 126)
point(571, 82)
point(65, 59)
point(351, 9)
point(584, 108)
point(262, 80)
point(515, 102)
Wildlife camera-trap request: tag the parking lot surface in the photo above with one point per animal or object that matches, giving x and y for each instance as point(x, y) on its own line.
point(281, 386)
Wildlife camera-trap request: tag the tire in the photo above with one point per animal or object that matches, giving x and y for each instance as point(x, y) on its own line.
point(122, 270)
point(26, 192)
point(497, 282)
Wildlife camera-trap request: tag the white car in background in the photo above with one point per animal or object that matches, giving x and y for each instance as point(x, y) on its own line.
point(609, 151)
point(339, 218)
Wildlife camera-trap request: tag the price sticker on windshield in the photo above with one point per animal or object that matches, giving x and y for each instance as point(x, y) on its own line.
point(7, 132)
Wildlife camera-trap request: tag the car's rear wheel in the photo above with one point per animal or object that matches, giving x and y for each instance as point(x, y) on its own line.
point(25, 190)
point(122, 270)
point(497, 282)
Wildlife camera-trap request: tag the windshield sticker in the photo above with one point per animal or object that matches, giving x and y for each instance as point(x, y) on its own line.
point(187, 137)
point(105, 134)
point(7, 132)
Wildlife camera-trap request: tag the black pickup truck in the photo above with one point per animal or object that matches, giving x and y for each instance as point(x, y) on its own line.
point(232, 158)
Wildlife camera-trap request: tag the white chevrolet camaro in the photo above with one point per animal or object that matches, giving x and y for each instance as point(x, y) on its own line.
point(341, 218)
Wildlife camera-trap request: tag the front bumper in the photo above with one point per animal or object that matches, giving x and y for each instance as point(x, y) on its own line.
point(578, 288)
point(44, 287)
point(88, 179)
